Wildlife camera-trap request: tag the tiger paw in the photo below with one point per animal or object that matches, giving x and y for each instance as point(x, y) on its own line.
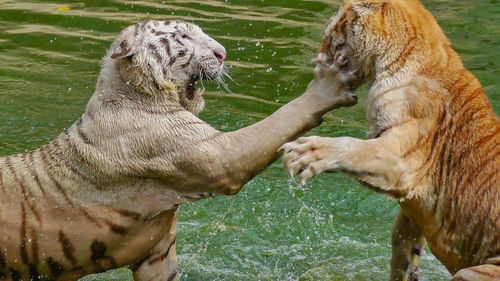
point(311, 156)
point(331, 84)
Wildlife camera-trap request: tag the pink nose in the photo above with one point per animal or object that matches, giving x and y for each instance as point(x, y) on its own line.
point(221, 56)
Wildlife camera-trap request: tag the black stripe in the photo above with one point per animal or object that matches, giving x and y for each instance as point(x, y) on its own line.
point(157, 55)
point(98, 249)
point(163, 256)
point(172, 276)
point(89, 217)
point(98, 257)
point(23, 188)
point(159, 33)
point(172, 61)
point(1, 182)
point(118, 229)
point(127, 213)
point(16, 179)
point(68, 165)
point(15, 275)
point(55, 268)
point(33, 172)
point(2, 261)
point(34, 276)
point(181, 53)
point(53, 179)
point(34, 246)
point(67, 247)
point(189, 60)
point(166, 43)
point(22, 238)
point(400, 60)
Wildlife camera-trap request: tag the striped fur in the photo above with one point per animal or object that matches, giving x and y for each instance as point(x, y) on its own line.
point(105, 192)
point(434, 138)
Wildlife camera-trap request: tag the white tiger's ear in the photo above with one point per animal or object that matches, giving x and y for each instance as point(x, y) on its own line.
point(364, 7)
point(124, 45)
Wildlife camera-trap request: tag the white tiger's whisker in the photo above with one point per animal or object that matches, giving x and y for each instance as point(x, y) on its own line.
point(201, 79)
point(225, 72)
point(221, 82)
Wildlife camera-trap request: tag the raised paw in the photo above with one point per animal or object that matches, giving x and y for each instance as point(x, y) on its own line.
point(331, 84)
point(310, 156)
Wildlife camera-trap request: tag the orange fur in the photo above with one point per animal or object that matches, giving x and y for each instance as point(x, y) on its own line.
point(434, 138)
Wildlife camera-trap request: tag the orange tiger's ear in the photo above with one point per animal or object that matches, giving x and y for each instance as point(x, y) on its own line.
point(364, 7)
point(124, 45)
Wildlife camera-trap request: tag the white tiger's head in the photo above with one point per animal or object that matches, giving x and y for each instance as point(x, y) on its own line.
point(170, 56)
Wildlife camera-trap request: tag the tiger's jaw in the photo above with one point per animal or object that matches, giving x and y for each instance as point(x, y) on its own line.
point(191, 95)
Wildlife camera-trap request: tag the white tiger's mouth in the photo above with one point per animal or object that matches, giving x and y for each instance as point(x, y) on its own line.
point(195, 90)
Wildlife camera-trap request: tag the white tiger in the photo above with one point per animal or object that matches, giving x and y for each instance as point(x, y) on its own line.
point(104, 193)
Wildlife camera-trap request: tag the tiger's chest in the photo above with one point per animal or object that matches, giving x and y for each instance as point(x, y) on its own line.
point(384, 110)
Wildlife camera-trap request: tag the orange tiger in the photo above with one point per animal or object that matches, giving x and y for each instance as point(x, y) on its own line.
point(105, 192)
point(434, 141)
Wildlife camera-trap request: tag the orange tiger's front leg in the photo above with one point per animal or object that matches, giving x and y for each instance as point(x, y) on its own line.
point(161, 263)
point(373, 162)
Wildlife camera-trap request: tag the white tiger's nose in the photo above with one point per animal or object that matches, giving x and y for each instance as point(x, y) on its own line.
point(221, 56)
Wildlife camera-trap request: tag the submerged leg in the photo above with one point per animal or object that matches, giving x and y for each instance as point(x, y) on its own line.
point(407, 246)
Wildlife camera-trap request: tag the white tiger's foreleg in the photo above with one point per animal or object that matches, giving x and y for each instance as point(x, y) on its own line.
point(161, 263)
point(485, 272)
point(408, 244)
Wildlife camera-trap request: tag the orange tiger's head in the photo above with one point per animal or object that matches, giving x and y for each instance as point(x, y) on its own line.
point(383, 36)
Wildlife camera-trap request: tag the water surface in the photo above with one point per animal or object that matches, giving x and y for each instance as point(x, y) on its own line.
point(332, 229)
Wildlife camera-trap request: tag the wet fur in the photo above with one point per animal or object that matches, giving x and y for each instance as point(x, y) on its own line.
point(104, 193)
point(434, 141)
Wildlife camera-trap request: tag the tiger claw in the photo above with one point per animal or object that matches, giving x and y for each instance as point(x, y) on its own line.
point(320, 58)
point(303, 181)
point(341, 59)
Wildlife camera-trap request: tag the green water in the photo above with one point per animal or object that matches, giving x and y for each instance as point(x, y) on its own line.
point(332, 229)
